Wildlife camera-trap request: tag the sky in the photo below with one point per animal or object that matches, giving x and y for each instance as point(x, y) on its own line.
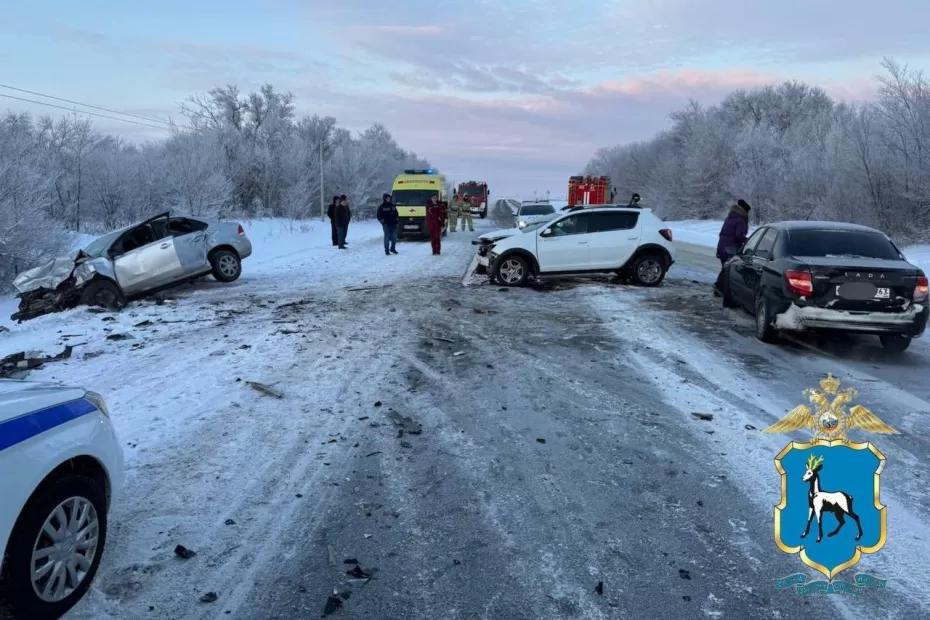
point(519, 93)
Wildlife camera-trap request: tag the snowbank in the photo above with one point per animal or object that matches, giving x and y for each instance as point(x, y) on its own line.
point(698, 232)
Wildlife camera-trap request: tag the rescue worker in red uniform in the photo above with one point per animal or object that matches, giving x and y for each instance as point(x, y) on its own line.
point(435, 222)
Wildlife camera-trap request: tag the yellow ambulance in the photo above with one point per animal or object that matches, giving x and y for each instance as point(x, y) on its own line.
point(410, 192)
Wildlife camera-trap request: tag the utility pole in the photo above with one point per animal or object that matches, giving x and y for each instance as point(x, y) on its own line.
point(322, 194)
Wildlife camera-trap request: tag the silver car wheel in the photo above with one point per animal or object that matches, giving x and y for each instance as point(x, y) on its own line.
point(65, 549)
point(649, 271)
point(511, 271)
point(228, 265)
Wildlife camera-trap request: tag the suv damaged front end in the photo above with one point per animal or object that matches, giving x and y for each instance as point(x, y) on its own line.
point(57, 285)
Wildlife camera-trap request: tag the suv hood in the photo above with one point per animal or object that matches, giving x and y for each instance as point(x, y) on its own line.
point(20, 397)
point(497, 235)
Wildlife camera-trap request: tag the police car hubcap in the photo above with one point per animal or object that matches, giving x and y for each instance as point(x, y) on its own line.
point(64, 549)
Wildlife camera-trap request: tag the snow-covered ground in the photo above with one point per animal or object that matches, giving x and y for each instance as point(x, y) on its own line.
point(558, 445)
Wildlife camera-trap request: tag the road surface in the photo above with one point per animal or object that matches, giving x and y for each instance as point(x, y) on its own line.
point(479, 452)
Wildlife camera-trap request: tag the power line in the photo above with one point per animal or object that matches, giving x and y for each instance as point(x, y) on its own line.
point(86, 105)
point(61, 107)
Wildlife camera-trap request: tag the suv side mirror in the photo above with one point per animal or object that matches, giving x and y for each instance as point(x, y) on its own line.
point(546, 233)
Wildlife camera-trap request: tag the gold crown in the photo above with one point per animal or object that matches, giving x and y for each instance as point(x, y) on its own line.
point(830, 384)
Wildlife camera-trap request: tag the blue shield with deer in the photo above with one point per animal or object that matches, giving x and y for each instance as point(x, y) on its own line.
point(830, 511)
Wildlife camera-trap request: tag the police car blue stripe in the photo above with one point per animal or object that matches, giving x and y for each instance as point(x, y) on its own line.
point(29, 425)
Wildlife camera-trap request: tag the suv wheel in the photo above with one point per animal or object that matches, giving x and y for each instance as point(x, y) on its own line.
point(103, 293)
point(765, 328)
point(226, 265)
point(648, 270)
point(512, 271)
point(895, 343)
point(56, 545)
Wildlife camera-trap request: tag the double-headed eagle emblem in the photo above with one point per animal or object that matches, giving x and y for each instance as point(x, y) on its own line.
point(831, 420)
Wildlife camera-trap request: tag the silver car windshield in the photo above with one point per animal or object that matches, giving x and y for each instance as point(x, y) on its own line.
point(100, 245)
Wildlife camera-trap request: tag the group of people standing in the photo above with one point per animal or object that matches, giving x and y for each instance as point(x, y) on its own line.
point(439, 219)
point(339, 215)
point(461, 211)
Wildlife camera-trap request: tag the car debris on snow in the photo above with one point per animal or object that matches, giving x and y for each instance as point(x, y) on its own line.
point(120, 337)
point(599, 588)
point(405, 424)
point(265, 389)
point(209, 597)
point(20, 363)
point(184, 553)
point(704, 417)
point(333, 604)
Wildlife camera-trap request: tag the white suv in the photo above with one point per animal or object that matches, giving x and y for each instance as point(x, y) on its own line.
point(628, 240)
point(60, 466)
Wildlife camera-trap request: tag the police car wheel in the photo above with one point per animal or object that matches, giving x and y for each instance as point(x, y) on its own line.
point(56, 545)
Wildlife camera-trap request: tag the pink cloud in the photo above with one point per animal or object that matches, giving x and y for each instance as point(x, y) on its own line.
point(685, 81)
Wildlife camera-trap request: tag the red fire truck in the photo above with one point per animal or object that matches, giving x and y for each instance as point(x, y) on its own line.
point(478, 192)
point(588, 190)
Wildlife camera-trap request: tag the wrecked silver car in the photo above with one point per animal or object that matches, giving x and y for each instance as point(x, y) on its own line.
point(160, 252)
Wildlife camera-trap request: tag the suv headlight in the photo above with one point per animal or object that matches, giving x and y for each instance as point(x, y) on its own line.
point(98, 402)
point(521, 224)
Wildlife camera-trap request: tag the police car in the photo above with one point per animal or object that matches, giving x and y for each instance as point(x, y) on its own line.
point(60, 467)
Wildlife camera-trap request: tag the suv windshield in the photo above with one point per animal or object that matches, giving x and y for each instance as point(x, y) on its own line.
point(530, 227)
point(537, 210)
point(413, 197)
point(840, 243)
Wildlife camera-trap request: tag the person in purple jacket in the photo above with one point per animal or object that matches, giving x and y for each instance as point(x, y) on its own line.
point(732, 236)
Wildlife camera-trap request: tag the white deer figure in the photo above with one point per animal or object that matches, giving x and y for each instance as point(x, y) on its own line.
point(819, 501)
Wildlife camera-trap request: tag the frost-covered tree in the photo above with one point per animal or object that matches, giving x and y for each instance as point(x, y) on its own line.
point(241, 155)
point(794, 154)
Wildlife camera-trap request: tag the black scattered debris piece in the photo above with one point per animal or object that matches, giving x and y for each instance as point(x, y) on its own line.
point(19, 363)
point(209, 597)
point(265, 389)
point(229, 522)
point(144, 323)
point(357, 572)
point(599, 588)
point(704, 417)
point(377, 403)
point(750, 427)
point(350, 561)
point(120, 337)
point(373, 453)
point(684, 574)
point(184, 553)
point(540, 440)
point(333, 604)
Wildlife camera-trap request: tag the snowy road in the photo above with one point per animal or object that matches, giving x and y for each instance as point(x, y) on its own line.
point(556, 446)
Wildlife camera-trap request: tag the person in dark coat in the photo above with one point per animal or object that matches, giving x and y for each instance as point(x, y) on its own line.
point(634, 200)
point(435, 221)
point(387, 215)
point(343, 215)
point(331, 214)
point(732, 236)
